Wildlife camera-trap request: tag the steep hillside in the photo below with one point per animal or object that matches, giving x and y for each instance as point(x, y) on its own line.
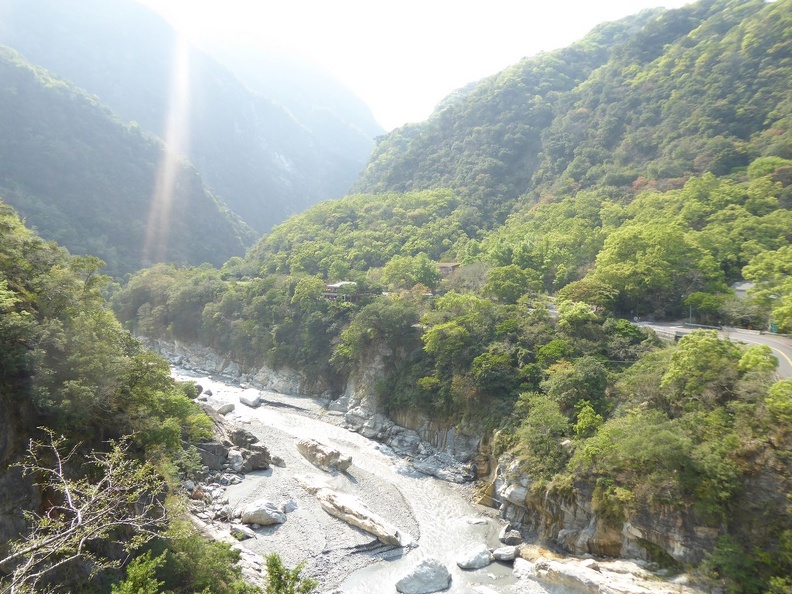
point(649, 99)
point(260, 159)
point(645, 177)
point(83, 178)
point(485, 141)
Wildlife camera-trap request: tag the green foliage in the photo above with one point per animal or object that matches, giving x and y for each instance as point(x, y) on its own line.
point(405, 272)
point(187, 562)
point(281, 580)
point(701, 368)
point(141, 576)
point(540, 434)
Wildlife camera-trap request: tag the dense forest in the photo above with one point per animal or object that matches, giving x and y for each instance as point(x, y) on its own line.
point(86, 180)
point(103, 152)
point(636, 174)
point(252, 150)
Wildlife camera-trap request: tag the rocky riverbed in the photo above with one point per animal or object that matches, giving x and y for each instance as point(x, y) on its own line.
point(437, 520)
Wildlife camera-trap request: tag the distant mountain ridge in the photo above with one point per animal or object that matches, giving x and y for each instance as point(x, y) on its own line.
point(260, 159)
point(83, 178)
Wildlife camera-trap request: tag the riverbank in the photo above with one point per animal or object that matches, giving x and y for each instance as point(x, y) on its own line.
point(437, 515)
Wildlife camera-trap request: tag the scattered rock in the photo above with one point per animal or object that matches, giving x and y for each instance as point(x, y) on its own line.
point(323, 456)
point(444, 467)
point(289, 506)
point(428, 576)
point(224, 409)
point(510, 537)
point(251, 400)
point(241, 532)
point(262, 512)
point(505, 553)
point(207, 392)
point(475, 558)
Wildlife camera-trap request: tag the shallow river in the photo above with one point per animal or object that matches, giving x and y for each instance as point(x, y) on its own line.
point(438, 515)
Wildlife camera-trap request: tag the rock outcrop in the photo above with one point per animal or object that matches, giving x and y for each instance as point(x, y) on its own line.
point(571, 523)
point(233, 448)
point(586, 576)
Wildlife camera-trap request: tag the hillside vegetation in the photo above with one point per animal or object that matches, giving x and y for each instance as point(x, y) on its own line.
point(86, 180)
point(254, 152)
point(638, 173)
point(72, 377)
point(646, 169)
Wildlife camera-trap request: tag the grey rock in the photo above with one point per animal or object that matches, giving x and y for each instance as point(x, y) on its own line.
point(224, 409)
point(256, 458)
point(505, 553)
point(241, 532)
point(428, 576)
point(353, 511)
point(213, 455)
point(510, 537)
point(323, 456)
point(262, 512)
point(475, 558)
point(251, 400)
point(235, 460)
point(444, 467)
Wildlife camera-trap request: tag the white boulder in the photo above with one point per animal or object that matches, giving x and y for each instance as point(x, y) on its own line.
point(262, 512)
point(475, 558)
point(428, 576)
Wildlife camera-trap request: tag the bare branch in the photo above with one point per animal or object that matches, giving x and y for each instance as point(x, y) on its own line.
point(125, 500)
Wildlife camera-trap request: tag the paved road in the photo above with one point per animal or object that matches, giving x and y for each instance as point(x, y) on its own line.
point(782, 347)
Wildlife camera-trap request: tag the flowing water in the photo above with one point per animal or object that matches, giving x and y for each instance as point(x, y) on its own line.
point(448, 524)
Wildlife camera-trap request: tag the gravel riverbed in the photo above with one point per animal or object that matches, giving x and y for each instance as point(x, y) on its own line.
point(438, 516)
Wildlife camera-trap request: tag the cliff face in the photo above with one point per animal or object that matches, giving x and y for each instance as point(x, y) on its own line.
point(568, 519)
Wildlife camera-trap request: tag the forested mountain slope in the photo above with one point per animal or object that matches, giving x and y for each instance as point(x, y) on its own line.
point(72, 378)
point(657, 97)
point(83, 178)
point(260, 159)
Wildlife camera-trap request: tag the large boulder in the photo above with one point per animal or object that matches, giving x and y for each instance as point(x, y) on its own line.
point(508, 553)
point(256, 458)
point(262, 512)
point(226, 408)
point(428, 576)
point(475, 558)
point(353, 511)
point(323, 456)
point(251, 399)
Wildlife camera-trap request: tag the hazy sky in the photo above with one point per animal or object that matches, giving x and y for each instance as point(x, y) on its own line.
point(402, 56)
